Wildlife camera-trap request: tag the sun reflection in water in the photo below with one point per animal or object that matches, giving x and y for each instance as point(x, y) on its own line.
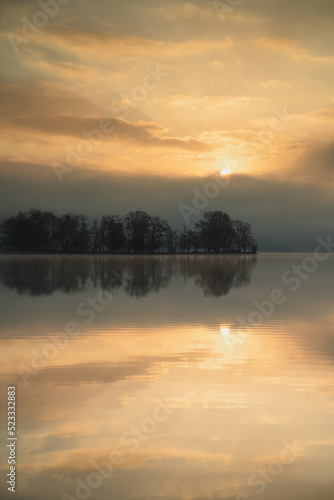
point(225, 329)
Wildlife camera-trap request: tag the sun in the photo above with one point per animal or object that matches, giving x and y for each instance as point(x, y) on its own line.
point(225, 172)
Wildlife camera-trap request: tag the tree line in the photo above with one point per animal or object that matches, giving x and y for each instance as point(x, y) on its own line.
point(137, 233)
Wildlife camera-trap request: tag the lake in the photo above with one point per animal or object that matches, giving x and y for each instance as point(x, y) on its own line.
point(171, 377)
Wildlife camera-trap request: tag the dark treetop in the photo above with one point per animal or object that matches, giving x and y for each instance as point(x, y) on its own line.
point(137, 233)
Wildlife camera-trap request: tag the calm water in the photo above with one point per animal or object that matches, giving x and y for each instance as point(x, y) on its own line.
point(163, 374)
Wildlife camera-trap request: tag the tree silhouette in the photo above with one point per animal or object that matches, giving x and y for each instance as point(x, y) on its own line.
point(137, 226)
point(138, 233)
point(243, 235)
point(216, 232)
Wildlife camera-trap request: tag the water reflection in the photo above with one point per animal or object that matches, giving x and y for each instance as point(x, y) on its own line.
point(137, 276)
point(232, 397)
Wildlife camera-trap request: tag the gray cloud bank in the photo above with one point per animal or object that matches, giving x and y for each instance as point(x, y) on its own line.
point(289, 212)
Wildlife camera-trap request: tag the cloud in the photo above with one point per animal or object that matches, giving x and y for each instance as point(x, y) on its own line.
point(316, 164)
point(211, 101)
point(326, 112)
point(281, 208)
point(294, 50)
point(225, 79)
point(100, 43)
point(40, 98)
point(144, 134)
point(279, 83)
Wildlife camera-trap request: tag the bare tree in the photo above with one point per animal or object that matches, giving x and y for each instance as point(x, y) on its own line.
point(216, 232)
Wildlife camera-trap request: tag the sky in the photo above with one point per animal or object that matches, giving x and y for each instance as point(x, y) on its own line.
point(111, 106)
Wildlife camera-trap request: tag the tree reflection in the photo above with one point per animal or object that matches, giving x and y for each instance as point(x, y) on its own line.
point(216, 275)
point(137, 276)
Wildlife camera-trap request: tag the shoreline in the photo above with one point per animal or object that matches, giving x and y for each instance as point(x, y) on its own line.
point(131, 254)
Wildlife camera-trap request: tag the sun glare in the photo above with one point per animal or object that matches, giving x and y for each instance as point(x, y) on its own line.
point(225, 172)
point(224, 329)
